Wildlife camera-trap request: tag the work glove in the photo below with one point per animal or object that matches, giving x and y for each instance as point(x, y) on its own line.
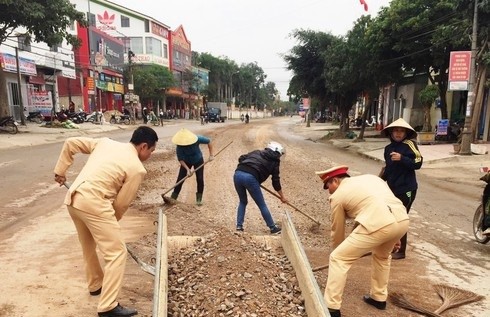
point(189, 173)
point(211, 157)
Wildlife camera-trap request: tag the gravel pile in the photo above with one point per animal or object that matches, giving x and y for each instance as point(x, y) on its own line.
point(227, 274)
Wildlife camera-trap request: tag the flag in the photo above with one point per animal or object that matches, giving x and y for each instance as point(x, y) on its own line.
point(363, 2)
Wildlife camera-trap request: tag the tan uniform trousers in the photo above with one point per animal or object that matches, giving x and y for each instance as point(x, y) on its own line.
point(101, 230)
point(380, 243)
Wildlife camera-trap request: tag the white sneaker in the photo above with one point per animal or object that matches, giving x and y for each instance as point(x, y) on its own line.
point(486, 232)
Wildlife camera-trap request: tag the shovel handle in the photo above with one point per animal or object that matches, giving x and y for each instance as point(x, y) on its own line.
point(276, 195)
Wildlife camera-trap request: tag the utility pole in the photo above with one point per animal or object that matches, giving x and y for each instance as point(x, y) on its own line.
point(131, 84)
point(466, 134)
point(21, 102)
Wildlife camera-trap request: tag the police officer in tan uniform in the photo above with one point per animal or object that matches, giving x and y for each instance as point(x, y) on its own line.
point(97, 200)
point(381, 220)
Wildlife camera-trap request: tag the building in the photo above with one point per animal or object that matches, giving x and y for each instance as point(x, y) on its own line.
point(41, 68)
point(117, 37)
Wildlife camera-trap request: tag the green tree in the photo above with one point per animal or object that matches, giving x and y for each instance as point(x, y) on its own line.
point(41, 21)
point(150, 81)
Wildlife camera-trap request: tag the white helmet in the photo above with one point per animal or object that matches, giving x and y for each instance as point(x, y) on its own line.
point(274, 146)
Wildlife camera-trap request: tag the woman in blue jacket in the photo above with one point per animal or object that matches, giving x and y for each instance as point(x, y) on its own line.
point(402, 158)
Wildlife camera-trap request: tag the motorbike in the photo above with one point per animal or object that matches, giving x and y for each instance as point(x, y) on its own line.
point(9, 125)
point(35, 116)
point(75, 117)
point(481, 221)
point(123, 118)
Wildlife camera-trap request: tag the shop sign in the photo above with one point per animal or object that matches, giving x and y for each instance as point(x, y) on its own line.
point(90, 86)
point(9, 63)
point(119, 88)
point(41, 101)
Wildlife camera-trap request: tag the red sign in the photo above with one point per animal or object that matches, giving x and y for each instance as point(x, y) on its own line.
point(459, 70)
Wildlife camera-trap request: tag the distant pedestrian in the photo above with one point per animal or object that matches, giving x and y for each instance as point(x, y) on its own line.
point(380, 220)
point(145, 115)
point(252, 170)
point(190, 158)
point(402, 158)
point(98, 199)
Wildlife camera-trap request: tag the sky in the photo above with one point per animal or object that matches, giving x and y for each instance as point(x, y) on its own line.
point(249, 31)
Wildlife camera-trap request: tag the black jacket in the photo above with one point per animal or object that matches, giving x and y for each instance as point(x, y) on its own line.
point(261, 164)
point(400, 175)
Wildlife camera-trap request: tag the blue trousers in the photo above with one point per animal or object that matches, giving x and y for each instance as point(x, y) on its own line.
point(247, 182)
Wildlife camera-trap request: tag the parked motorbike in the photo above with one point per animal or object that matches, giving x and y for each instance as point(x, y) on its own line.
point(75, 117)
point(481, 221)
point(123, 118)
point(35, 116)
point(9, 125)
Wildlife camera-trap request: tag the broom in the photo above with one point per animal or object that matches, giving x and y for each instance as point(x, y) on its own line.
point(454, 297)
point(399, 300)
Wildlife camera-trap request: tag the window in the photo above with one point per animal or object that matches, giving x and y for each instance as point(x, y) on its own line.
point(23, 44)
point(153, 46)
point(136, 45)
point(124, 22)
point(91, 19)
point(147, 26)
point(165, 50)
point(14, 93)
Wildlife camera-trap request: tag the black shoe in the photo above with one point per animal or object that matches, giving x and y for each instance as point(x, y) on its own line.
point(334, 312)
point(239, 228)
point(398, 255)
point(276, 230)
point(97, 292)
point(375, 303)
point(119, 311)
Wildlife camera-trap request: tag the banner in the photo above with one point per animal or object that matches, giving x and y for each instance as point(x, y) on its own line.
point(40, 101)
point(9, 63)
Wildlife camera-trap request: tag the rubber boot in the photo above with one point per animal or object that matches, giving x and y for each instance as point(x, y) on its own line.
point(401, 253)
point(199, 199)
point(174, 196)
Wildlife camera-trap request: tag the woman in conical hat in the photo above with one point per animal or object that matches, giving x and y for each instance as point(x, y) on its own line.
point(402, 158)
point(190, 158)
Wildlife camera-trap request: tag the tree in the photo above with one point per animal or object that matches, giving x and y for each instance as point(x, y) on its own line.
point(41, 21)
point(427, 97)
point(150, 81)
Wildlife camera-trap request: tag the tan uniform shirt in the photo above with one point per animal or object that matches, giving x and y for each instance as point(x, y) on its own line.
point(109, 180)
point(368, 200)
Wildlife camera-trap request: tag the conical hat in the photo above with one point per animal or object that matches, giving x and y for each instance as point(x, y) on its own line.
point(399, 123)
point(184, 137)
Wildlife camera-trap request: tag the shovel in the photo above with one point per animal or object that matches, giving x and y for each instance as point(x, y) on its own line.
point(170, 200)
point(301, 212)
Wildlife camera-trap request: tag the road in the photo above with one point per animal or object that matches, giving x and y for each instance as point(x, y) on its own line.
point(42, 261)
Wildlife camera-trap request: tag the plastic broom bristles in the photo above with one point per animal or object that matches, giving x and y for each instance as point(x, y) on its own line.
point(454, 297)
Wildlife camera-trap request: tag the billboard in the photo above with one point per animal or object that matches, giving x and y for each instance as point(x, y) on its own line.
point(108, 52)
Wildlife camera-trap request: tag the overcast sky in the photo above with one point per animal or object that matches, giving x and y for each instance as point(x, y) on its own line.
point(254, 30)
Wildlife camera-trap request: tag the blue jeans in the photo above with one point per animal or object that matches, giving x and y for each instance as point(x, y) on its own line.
point(247, 182)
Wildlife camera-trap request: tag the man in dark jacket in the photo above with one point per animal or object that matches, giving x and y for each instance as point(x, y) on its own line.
point(252, 170)
point(402, 158)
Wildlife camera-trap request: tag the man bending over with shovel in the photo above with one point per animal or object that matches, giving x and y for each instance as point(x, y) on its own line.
point(97, 200)
point(381, 220)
